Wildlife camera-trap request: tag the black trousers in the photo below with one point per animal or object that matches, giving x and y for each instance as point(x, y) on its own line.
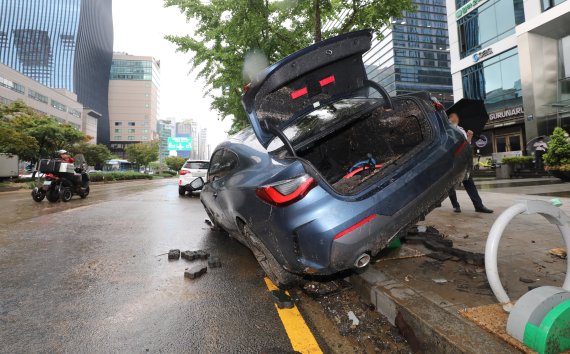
point(539, 164)
point(471, 190)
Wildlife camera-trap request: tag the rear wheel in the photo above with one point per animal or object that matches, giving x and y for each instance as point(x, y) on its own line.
point(65, 194)
point(181, 191)
point(52, 195)
point(84, 193)
point(278, 275)
point(38, 194)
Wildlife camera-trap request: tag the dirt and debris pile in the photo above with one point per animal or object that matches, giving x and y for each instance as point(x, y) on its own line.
point(359, 324)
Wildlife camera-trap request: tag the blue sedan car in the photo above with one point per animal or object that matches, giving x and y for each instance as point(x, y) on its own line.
point(332, 168)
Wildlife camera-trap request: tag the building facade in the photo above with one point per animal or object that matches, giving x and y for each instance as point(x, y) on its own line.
point(187, 129)
point(515, 56)
point(134, 100)
point(164, 131)
point(59, 104)
point(62, 44)
point(413, 54)
point(203, 153)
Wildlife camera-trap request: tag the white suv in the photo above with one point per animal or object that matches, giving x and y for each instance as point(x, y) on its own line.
point(191, 170)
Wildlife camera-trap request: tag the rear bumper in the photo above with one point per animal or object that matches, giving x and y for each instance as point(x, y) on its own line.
point(324, 235)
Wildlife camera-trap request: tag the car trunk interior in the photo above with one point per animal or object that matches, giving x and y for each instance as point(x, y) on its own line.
point(386, 138)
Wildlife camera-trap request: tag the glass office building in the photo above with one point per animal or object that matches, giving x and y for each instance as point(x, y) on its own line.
point(63, 44)
point(414, 54)
point(512, 54)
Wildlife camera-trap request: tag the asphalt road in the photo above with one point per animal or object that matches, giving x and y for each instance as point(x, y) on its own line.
point(92, 276)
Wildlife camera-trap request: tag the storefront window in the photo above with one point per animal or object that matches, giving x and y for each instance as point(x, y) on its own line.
point(496, 81)
point(548, 4)
point(489, 23)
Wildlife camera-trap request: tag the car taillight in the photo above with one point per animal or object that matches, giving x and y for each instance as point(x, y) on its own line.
point(184, 172)
point(286, 192)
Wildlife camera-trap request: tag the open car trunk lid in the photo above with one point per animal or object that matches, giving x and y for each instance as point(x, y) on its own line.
point(303, 81)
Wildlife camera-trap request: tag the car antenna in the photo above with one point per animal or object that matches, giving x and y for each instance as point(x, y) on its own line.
point(274, 130)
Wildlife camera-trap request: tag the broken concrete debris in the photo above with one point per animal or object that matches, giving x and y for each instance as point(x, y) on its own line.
point(195, 271)
point(282, 300)
point(214, 262)
point(174, 254)
point(435, 241)
point(526, 280)
point(193, 255)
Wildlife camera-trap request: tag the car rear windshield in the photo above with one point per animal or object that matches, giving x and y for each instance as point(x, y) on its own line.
point(328, 115)
point(197, 165)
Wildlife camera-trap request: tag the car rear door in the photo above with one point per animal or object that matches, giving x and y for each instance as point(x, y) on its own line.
point(222, 165)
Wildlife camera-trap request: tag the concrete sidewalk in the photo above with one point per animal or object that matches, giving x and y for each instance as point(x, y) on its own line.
point(405, 287)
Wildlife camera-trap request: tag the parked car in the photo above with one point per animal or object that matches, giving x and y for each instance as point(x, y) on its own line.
point(191, 170)
point(332, 167)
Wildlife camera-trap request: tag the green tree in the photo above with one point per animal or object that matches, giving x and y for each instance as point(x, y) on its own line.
point(174, 163)
point(558, 153)
point(95, 154)
point(142, 154)
point(16, 143)
point(229, 31)
point(48, 134)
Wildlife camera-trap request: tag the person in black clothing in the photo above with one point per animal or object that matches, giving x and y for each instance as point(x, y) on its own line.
point(469, 185)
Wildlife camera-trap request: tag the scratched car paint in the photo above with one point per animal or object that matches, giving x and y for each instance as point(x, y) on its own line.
point(332, 168)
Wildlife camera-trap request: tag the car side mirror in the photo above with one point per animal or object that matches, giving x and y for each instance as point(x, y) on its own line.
point(197, 184)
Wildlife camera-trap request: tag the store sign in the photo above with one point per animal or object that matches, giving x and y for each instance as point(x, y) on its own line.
point(465, 9)
point(482, 54)
point(506, 113)
point(179, 144)
point(482, 141)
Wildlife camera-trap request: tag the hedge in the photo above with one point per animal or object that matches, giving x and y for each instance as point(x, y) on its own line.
point(117, 176)
point(518, 160)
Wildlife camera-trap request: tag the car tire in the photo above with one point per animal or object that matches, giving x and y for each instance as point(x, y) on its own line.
point(52, 196)
point(38, 194)
point(274, 271)
point(181, 191)
point(66, 194)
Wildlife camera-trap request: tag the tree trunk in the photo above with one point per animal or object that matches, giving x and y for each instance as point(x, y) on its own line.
point(318, 25)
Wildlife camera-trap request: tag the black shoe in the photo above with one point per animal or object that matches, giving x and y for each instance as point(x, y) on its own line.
point(457, 210)
point(484, 209)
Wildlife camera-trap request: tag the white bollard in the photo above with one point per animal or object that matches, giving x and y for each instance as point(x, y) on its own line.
point(553, 214)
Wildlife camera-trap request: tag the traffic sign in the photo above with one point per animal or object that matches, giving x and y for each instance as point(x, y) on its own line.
point(179, 144)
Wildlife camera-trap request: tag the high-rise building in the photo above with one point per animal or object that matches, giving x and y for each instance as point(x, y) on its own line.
point(164, 130)
point(134, 100)
point(413, 54)
point(514, 55)
point(64, 45)
point(203, 145)
point(184, 130)
point(59, 104)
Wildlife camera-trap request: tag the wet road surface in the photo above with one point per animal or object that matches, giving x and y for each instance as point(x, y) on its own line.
point(92, 276)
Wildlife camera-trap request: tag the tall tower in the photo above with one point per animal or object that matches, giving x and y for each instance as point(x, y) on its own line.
point(66, 44)
point(134, 100)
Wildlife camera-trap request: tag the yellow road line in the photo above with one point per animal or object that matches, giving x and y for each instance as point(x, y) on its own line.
point(299, 334)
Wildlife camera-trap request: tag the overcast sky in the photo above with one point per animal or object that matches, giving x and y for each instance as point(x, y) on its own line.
point(140, 26)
